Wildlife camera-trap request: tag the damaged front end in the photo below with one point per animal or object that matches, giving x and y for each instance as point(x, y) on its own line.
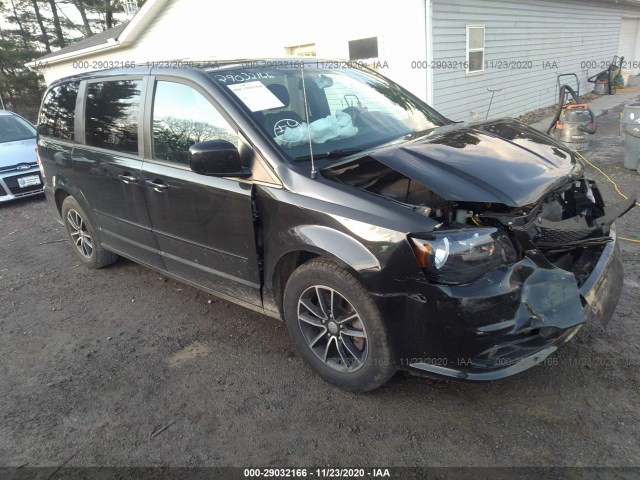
point(568, 271)
point(506, 282)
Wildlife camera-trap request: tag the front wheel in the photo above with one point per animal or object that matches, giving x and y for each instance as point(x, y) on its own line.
point(85, 243)
point(336, 327)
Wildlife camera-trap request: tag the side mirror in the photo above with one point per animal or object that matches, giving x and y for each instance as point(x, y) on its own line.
point(217, 158)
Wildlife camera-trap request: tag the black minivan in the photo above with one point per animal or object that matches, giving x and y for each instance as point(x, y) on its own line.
point(385, 235)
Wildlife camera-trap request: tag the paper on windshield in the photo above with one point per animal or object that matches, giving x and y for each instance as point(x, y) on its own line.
point(256, 96)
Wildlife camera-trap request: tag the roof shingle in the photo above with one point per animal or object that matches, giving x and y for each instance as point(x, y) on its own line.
point(94, 40)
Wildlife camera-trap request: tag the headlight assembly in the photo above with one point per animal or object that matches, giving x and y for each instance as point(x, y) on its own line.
point(461, 256)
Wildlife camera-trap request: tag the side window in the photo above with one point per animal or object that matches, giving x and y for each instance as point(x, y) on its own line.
point(183, 117)
point(113, 108)
point(58, 112)
point(475, 49)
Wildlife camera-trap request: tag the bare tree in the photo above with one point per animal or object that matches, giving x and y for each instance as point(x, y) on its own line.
point(44, 37)
point(60, 41)
point(109, 9)
point(24, 33)
point(79, 4)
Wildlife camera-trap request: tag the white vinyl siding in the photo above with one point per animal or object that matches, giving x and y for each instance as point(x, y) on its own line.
point(538, 31)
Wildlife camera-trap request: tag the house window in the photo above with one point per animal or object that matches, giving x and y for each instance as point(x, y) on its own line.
point(475, 48)
point(307, 50)
point(363, 48)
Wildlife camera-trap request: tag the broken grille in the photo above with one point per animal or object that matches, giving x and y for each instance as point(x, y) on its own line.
point(548, 236)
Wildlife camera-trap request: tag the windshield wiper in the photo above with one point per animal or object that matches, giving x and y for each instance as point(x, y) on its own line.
point(342, 152)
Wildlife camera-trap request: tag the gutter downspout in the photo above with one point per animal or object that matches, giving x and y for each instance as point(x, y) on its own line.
point(428, 27)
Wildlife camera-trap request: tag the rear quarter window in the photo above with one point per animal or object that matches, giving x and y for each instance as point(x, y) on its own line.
point(57, 115)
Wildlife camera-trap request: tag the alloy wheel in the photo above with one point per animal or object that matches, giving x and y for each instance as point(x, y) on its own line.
point(332, 328)
point(79, 233)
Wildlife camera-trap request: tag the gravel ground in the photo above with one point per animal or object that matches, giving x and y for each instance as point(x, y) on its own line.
point(123, 367)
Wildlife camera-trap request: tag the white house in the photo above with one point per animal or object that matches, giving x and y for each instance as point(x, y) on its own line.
point(448, 52)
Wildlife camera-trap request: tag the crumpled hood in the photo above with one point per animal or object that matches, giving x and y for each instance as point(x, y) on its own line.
point(14, 153)
point(502, 161)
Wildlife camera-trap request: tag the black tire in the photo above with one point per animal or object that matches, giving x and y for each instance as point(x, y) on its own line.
point(356, 352)
point(84, 241)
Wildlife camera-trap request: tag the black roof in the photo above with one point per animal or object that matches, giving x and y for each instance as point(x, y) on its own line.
point(92, 41)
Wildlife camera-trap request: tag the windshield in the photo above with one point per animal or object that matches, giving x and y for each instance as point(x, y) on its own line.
point(347, 110)
point(14, 128)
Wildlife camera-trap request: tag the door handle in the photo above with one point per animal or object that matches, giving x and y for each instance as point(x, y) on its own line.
point(128, 178)
point(158, 185)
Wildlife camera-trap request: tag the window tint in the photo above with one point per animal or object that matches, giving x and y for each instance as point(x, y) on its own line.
point(58, 112)
point(112, 115)
point(183, 117)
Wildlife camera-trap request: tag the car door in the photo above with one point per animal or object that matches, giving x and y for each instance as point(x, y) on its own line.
point(107, 165)
point(204, 225)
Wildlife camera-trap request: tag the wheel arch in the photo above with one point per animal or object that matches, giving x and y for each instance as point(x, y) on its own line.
point(59, 197)
point(63, 187)
point(319, 241)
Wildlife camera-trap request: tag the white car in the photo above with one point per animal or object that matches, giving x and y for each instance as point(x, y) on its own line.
point(19, 171)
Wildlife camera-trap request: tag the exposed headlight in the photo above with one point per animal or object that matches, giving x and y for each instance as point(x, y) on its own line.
point(461, 256)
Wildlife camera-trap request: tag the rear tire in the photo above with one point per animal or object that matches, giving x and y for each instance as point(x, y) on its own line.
point(84, 241)
point(336, 326)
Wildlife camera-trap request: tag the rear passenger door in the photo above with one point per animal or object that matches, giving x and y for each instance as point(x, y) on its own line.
point(203, 224)
point(107, 165)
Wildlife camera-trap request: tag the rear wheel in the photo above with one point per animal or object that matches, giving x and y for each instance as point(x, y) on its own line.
point(336, 327)
point(84, 241)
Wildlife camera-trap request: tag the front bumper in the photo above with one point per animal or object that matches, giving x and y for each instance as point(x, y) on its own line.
point(512, 319)
point(603, 288)
point(10, 188)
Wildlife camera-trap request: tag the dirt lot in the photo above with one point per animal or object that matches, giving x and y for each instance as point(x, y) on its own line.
point(123, 367)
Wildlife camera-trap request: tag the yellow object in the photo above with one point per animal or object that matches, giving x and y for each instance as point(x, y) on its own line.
point(617, 190)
